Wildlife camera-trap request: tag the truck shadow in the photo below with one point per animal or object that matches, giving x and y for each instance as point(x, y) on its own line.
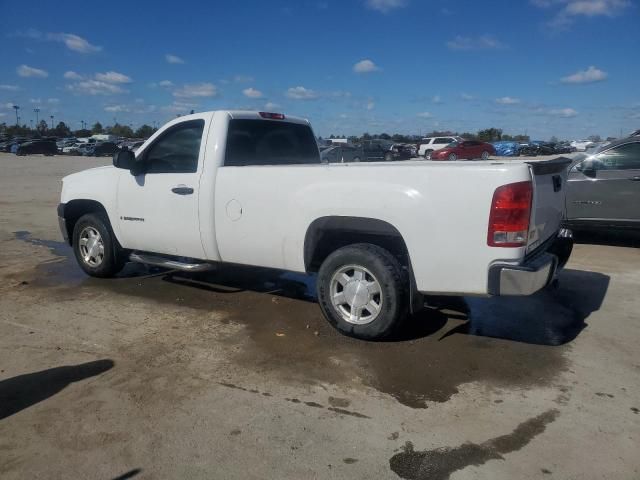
point(553, 316)
point(23, 391)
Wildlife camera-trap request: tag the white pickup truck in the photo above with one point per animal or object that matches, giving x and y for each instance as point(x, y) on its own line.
point(249, 188)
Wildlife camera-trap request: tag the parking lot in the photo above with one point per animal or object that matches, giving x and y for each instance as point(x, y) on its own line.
point(236, 374)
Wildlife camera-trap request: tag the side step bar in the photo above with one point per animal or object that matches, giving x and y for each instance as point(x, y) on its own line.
point(164, 262)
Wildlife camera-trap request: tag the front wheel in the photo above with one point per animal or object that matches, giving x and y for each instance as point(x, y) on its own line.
point(427, 154)
point(452, 157)
point(485, 155)
point(96, 248)
point(388, 157)
point(363, 291)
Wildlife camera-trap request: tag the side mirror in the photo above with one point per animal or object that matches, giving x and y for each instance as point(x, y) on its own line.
point(124, 159)
point(588, 168)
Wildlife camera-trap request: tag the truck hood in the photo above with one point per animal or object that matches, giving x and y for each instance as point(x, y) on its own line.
point(88, 174)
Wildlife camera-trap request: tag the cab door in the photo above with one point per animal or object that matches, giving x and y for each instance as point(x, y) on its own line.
point(606, 187)
point(158, 209)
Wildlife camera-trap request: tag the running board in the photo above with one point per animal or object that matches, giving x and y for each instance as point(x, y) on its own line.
point(164, 262)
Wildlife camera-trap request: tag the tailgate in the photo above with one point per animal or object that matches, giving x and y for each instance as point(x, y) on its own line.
point(549, 191)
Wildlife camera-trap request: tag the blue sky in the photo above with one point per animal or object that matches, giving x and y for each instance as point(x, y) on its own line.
point(545, 67)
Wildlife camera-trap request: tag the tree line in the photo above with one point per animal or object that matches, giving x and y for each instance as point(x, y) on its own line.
point(62, 130)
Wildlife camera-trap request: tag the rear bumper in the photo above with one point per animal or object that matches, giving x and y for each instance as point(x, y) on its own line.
point(535, 273)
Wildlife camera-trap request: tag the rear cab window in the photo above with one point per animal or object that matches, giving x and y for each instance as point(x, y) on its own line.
point(269, 142)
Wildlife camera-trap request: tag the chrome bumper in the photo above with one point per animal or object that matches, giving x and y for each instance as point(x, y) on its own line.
point(522, 279)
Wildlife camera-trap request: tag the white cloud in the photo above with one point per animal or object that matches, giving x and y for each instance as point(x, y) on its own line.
point(53, 101)
point(370, 105)
point(71, 75)
point(483, 42)
point(385, 6)
point(113, 77)
point(590, 75)
point(7, 105)
point(424, 115)
point(569, 10)
point(252, 93)
point(365, 66)
point(271, 106)
point(27, 71)
point(301, 93)
point(563, 112)
point(507, 101)
point(466, 96)
point(36, 101)
point(116, 108)
point(196, 90)
point(436, 99)
point(165, 83)
point(94, 87)
point(9, 88)
point(243, 79)
point(180, 107)
point(174, 59)
point(74, 42)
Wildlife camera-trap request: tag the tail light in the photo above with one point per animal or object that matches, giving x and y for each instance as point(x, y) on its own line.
point(272, 116)
point(510, 214)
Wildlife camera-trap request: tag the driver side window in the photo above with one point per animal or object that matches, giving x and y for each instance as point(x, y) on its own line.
point(624, 157)
point(177, 151)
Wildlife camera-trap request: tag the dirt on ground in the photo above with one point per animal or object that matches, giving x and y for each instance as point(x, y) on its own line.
point(236, 374)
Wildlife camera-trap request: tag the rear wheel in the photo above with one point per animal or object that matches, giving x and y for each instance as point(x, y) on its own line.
point(452, 157)
point(427, 154)
point(485, 155)
point(388, 157)
point(363, 291)
point(95, 247)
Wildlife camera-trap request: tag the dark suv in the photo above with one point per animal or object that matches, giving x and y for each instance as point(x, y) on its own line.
point(383, 151)
point(46, 147)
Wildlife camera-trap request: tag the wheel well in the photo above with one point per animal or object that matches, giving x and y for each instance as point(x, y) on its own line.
point(327, 234)
point(77, 208)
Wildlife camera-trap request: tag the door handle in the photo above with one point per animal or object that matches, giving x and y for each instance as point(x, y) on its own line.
point(635, 179)
point(182, 190)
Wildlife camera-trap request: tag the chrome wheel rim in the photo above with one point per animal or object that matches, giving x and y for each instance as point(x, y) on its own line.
point(453, 157)
point(91, 246)
point(356, 294)
point(485, 155)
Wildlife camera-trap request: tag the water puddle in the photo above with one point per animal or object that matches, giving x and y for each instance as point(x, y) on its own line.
point(504, 342)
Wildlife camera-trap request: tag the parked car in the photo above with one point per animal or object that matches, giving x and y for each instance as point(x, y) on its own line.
point(103, 149)
point(266, 199)
point(45, 147)
point(466, 149)
point(429, 145)
point(506, 148)
point(341, 154)
point(383, 151)
point(582, 145)
point(604, 188)
point(635, 134)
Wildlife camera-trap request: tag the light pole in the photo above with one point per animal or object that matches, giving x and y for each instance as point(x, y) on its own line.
point(51, 122)
point(37, 111)
point(16, 107)
point(31, 123)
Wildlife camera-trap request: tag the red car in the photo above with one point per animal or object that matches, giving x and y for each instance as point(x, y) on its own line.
point(467, 149)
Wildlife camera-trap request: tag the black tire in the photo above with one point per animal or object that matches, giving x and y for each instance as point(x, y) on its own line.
point(113, 257)
point(485, 155)
point(452, 157)
point(427, 154)
point(393, 296)
point(356, 159)
point(388, 157)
